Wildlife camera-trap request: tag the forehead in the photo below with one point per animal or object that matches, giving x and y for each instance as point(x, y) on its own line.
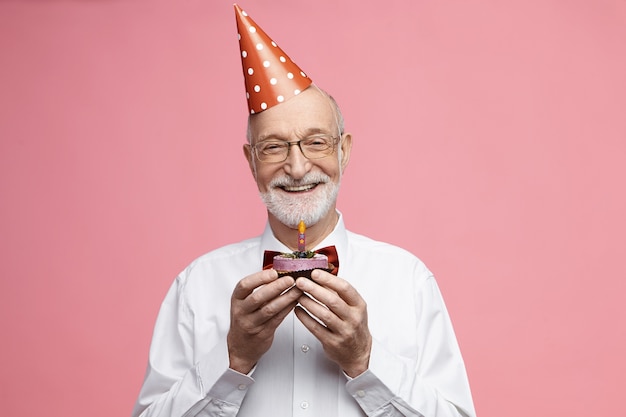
point(309, 112)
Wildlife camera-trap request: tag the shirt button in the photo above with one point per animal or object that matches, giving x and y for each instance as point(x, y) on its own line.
point(360, 393)
point(304, 405)
point(242, 387)
point(305, 348)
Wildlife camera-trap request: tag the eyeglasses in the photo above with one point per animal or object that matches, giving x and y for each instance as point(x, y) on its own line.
point(312, 147)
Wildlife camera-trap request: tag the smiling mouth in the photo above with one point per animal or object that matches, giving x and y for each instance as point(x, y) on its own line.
point(298, 188)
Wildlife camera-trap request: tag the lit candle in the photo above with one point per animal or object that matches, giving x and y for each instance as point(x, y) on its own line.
point(301, 240)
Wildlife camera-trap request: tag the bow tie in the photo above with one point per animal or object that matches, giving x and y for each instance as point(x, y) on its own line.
point(329, 251)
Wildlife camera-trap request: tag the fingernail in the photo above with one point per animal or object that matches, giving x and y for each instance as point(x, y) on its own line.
point(304, 283)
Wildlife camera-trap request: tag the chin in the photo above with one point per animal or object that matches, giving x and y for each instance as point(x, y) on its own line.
point(289, 210)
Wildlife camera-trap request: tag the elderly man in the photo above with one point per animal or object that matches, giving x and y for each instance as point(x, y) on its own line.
point(235, 339)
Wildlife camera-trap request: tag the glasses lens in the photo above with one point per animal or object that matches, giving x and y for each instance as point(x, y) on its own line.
point(272, 150)
point(317, 146)
point(313, 147)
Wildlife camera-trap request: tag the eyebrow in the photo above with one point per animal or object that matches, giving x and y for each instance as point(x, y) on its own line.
point(312, 131)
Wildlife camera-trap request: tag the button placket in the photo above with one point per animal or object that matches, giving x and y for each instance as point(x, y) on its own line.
point(306, 361)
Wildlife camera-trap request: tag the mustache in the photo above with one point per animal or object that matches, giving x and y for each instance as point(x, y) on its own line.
point(310, 178)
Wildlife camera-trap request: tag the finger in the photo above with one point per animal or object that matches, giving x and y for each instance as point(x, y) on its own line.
point(283, 301)
point(327, 297)
point(269, 316)
point(254, 319)
point(339, 285)
point(276, 291)
point(248, 284)
point(320, 312)
point(316, 328)
point(275, 317)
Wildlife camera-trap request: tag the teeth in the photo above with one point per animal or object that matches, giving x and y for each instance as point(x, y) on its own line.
point(299, 188)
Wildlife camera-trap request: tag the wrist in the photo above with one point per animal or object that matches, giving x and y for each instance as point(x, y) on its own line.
point(362, 362)
point(358, 368)
point(240, 365)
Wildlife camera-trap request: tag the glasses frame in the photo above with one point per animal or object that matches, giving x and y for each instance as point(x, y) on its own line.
point(335, 141)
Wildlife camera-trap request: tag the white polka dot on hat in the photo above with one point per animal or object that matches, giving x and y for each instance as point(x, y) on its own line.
point(268, 72)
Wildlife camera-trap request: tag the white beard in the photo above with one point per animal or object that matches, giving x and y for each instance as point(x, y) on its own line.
point(290, 208)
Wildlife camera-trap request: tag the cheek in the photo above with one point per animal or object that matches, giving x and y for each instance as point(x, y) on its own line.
point(332, 169)
point(264, 177)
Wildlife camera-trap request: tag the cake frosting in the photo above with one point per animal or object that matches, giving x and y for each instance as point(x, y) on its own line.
point(299, 261)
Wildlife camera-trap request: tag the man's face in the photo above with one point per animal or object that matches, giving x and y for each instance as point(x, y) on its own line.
point(299, 188)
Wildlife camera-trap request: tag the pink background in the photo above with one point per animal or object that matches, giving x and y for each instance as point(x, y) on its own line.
point(490, 140)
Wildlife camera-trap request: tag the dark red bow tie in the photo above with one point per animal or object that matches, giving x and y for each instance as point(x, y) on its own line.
point(329, 251)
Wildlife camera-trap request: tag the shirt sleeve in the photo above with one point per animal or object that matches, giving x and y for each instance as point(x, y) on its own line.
point(176, 384)
point(433, 383)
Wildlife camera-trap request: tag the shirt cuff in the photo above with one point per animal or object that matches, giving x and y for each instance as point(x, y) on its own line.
point(369, 392)
point(231, 387)
point(223, 384)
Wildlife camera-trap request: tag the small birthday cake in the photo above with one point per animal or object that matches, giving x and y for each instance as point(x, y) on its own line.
point(299, 263)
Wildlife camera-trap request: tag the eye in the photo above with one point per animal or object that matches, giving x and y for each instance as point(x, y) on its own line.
point(270, 147)
point(316, 142)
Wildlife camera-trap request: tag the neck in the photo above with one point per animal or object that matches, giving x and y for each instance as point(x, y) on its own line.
point(314, 234)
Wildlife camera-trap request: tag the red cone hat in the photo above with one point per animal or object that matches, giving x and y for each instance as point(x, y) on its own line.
point(271, 76)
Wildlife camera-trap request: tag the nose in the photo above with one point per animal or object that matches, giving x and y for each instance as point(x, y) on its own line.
point(296, 164)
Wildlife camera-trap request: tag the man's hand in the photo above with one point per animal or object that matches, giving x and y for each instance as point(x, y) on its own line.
point(256, 309)
point(344, 333)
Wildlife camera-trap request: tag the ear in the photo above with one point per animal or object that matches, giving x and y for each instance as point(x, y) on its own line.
point(346, 147)
point(247, 151)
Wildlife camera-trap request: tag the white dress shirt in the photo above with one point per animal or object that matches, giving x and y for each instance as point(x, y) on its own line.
point(415, 368)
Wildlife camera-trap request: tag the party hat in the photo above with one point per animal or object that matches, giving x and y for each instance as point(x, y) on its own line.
point(271, 77)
